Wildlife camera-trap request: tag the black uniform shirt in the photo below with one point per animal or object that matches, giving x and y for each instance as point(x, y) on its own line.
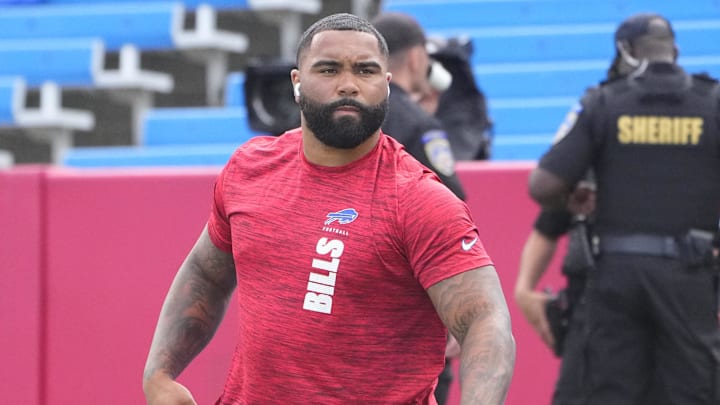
point(653, 142)
point(553, 223)
point(423, 137)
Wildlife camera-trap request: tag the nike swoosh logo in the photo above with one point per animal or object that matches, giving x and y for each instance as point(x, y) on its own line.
point(468, 245)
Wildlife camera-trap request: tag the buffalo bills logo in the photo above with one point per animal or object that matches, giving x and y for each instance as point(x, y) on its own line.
point(342, 217)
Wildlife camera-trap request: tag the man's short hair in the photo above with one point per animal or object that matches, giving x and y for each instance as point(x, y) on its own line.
point(401, 31)
point(339, 22)
point(644, 25)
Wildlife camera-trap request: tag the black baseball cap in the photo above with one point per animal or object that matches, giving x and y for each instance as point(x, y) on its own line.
point(401, 31)
point(644, 24)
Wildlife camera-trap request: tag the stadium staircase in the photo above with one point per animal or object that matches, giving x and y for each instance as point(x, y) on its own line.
point(534, 58)
point(101, 83)
point(90, 52)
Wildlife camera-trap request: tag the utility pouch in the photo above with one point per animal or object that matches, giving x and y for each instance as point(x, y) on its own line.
point(696, 249)
point(558, 312)
point(579, 258)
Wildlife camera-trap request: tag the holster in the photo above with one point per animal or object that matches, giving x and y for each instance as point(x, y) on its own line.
point(580, 255)
point(579, 259)
point(696, 249)
point(557, 311)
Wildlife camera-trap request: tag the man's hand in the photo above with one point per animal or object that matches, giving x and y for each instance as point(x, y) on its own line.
point(581, 200)
point(532, 304)
point(165, 391)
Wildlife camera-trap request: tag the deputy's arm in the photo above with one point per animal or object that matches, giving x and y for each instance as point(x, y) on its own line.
point(192, 312)
point(571, 155)
point(548, 189)
point(473, 307)
point(534, 260)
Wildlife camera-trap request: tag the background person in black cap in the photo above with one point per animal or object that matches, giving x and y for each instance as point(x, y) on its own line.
point(652, 139)
point(408, 122)
point(422, 135)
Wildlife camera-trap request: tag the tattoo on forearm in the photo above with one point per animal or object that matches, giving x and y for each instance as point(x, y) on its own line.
point(192, 312)
point(474, 308)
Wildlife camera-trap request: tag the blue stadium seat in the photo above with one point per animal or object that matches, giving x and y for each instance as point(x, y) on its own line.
point(192, 4)
point(10, 99)
point(534, 58)
point(526, 116)
point(16, 2)
point(235, 89)
point(549, 79)
point(445, 14)
point(572, 42)
point(520, 148)
point(148, 25)
point(196, 126)
point(562, 78)
point(69, 62)
point(136, 156)
point(183, 136)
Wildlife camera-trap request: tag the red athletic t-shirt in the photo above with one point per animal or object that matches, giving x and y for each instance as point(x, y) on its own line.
point(332, 267)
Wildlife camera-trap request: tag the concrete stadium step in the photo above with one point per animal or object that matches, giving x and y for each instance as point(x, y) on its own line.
point(157, 156)
point(196, 126)
point(568, 78)
point(434, 14)
point(571, 41)
point(527, 115)
point(526, 147)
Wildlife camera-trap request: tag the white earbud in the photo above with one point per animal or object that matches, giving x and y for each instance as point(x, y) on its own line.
point(388, 89)
point(296, 89)
point(440, 79)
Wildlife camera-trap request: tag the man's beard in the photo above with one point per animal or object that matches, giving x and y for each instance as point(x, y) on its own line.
point(345, 132)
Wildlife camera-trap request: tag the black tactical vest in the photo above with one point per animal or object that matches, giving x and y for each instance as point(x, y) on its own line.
point(658, 169)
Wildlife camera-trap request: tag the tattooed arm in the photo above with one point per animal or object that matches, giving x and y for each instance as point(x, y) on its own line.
point(473, 307)
point(193, 309)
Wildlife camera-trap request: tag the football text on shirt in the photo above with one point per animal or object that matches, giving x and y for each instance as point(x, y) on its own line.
point(321, 282)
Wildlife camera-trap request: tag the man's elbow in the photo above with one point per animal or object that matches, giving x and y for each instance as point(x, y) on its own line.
point(547, 189)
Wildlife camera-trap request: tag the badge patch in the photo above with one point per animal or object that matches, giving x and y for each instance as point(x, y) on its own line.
point(437, 149)
point(568, 123)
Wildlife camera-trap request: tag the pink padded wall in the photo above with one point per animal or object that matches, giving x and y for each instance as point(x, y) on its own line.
point(504, 213)
point(114, 242)
point(117, 239)
point(20, 285)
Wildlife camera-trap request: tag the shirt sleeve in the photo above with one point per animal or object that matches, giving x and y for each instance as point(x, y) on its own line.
point(218, 223)
point(553, 223)
point(440, 237)
point(573, 148)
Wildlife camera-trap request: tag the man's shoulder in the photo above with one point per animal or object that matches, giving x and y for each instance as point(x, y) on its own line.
point(271, 143)
point(704, 77)
point(704, 81)
point(595, 95)
point(262, 148)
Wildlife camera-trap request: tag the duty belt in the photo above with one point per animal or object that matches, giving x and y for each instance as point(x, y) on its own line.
point(641, 244)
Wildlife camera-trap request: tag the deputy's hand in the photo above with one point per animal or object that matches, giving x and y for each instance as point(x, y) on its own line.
point(165, 391)
point(581, 200)
point(532, 305)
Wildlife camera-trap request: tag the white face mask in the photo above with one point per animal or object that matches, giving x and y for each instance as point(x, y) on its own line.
point(625, 54)
point(637, 65)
